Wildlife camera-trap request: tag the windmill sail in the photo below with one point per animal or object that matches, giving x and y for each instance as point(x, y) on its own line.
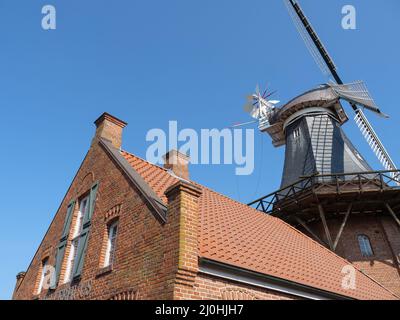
point(375, 144)
point(308, 41)
point(357, 93)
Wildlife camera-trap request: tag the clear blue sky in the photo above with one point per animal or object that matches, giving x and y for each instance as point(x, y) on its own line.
point(149, 62)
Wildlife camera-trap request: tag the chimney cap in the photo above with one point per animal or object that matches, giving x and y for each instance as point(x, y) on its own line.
point(111, 118)
point(178, 162)
point(175, 153)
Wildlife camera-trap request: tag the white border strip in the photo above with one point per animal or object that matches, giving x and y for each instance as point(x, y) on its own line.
point(227, 274)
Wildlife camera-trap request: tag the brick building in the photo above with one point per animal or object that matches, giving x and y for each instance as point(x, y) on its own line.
point(128, 229)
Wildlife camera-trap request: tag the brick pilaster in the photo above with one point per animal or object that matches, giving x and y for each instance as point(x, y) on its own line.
point(184, 216)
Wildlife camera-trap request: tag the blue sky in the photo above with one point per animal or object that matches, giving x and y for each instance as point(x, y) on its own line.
point(149, 62)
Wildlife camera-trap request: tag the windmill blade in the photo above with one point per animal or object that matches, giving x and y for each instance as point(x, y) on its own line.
point(357, 93)
point(305, 30)
point(265, 91)
point(248, 107)
point(270, 94)
point(376, 145)
point(253, 110)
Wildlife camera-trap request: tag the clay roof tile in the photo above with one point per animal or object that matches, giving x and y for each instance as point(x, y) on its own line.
point(236, 234)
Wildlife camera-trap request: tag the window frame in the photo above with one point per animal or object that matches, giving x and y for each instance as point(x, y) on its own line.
point(44, 263)
point(109, 256)
point(364, 243)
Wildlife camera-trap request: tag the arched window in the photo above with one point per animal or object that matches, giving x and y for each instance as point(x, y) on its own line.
point(111, 239)
point(365, 245)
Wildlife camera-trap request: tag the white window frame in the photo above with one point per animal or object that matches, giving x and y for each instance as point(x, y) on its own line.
point(112, 233)
point(76, 236)
point(44, 264)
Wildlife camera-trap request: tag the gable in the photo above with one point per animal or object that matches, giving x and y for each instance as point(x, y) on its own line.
point(116, 190)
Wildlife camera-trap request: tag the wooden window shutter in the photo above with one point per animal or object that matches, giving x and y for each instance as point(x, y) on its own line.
point(68, 219)
point(63, 242)
point(92, 201)
point(80, 257)
point(59, 259)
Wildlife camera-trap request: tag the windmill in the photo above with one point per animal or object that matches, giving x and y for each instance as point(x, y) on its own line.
point(324, 176)
point(356, 93)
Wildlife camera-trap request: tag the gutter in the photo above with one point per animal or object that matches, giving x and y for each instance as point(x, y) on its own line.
point(230, 272)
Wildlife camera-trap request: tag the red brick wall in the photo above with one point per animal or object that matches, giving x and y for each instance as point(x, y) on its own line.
point(152, 261)
point(208, 287)
point(384, 235)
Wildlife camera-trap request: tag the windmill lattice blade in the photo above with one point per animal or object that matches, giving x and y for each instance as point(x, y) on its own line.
point(357, 93)
point(265, 92)
point(375, 144)
point(270, 94)
point(307, 40)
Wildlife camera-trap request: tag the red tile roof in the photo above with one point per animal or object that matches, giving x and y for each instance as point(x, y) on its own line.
point(236, 234)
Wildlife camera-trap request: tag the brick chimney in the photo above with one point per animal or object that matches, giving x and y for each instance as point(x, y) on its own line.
point(110, 128)
point(178, 163)
point(20, 277)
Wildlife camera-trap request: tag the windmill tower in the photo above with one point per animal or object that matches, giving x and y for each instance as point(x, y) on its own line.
point(328, 190)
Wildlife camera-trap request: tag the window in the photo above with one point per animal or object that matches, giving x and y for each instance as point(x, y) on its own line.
point(365, 245)
point(110, 250)
point(83, 208)
point(42, 275)
point(296, 133)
